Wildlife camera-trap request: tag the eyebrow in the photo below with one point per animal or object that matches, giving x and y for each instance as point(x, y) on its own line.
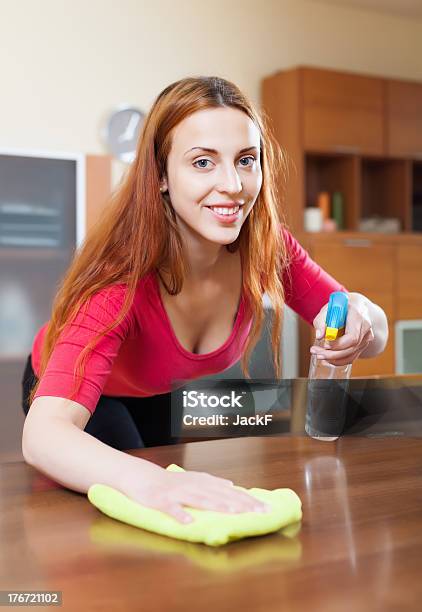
point(216, 152)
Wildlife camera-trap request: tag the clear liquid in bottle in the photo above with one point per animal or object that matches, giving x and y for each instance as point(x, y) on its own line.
point(327, 383)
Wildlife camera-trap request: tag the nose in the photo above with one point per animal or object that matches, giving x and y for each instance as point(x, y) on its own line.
point(229, 179)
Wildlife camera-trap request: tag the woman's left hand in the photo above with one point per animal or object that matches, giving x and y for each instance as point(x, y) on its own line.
point(358, 334)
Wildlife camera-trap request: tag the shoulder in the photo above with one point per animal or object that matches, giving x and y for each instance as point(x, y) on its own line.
point(105, 305)
point(110, 296)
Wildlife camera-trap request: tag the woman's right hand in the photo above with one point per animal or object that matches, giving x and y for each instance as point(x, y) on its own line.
point(169, 491)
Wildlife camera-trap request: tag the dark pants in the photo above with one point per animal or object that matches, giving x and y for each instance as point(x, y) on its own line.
point(121, 422)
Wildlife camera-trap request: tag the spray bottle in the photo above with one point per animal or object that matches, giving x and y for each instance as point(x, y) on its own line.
point(328, 384)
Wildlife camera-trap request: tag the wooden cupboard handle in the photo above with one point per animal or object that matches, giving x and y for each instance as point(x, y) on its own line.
point(357, 242)
point(346, 149)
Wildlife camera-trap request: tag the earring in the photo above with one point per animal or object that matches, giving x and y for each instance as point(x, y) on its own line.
point(162, 189)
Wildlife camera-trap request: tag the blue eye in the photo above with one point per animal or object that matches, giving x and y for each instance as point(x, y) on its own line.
point(249, 158)
point(202, 163)
point(199, 161)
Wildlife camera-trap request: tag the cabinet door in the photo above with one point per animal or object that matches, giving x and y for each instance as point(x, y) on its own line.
point(404, 118)
point(409, 282)
point(42, 208)
point(367, 268)
point(342, 112)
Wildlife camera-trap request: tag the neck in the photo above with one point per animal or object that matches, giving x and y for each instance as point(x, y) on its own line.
point(204, 258)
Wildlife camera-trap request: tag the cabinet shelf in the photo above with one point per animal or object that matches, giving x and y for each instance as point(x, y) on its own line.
point(385, 190)
point(334, 173)
point(371, 187)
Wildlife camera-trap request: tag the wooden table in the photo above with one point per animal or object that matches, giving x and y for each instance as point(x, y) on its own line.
point(359, 546)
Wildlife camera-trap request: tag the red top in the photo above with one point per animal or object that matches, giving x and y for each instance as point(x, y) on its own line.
point(142, 356)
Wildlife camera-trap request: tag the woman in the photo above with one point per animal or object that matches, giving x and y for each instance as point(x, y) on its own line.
point(168, 286)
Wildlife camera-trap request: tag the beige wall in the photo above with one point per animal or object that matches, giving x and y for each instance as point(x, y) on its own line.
point(65, 63)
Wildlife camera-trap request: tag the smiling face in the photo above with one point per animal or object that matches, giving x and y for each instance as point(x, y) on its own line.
point(213, 173)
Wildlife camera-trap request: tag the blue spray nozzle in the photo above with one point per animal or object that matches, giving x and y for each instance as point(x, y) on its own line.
point(335, 320)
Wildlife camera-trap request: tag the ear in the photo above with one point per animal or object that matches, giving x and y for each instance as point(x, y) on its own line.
point(163, 185)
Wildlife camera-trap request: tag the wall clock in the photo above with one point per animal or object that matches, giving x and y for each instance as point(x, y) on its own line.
point(122, 131)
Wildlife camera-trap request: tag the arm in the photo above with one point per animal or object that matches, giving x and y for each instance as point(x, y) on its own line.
point(54, 443)
point(307, 286)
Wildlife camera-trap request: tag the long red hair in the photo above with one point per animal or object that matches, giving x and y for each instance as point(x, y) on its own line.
point(138, 231)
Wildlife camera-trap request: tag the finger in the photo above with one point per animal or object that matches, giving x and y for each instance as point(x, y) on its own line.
point(370, 334)
point(356, 320)
point(347, 360)
point(348, 340)
point(320, 331)
point(342, 362)
point(365, 326)
point(238, 500)
point(319, 323)
point(176, 511)
point(219, 503)
point(352, 336)
point(344, 346)
point(366, 340)
point(330, 354)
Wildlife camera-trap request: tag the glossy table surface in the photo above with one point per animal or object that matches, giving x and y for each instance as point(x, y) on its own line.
point(359, 546)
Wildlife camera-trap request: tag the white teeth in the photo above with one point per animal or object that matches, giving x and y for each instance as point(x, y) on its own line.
point(225, 211)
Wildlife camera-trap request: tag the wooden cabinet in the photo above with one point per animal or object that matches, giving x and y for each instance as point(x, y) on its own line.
point(348, 133)
point(342, 112)
point(387, 269)
point(409, 281)
point(360, 136)
point(47, 202)
point(404, 118)
point(367, 267)
point(384, 268)
point(361, 265)
point(282, 105)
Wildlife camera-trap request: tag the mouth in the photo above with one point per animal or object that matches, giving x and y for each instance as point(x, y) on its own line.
point(227, 214)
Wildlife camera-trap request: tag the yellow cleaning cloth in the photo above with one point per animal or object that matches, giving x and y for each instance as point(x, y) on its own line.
point(208, 527)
